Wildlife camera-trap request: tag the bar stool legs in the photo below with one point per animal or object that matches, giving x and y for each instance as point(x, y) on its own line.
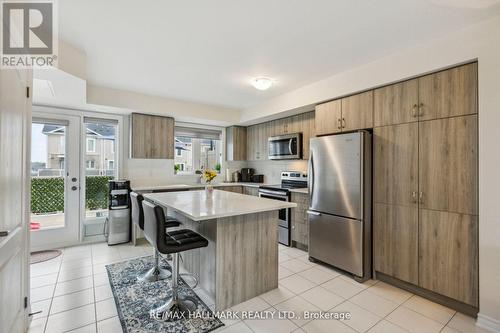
point(156, 273)
point(176, 307)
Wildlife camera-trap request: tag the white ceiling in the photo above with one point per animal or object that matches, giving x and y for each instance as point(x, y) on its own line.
point(207, 51)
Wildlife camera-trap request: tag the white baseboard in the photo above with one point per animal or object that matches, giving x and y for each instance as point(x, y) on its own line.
point(488, 323)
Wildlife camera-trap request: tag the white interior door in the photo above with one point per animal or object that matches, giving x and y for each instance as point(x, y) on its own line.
point(55, 181)
point(15, 117)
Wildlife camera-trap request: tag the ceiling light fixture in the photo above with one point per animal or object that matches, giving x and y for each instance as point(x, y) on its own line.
point(262, 83)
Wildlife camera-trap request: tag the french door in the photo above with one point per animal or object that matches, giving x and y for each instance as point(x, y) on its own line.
point(55, 180)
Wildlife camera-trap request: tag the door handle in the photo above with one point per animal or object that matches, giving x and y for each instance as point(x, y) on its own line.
point(421, 197)
point(290, 143)
point(340, 124)
point(310, 181)
point(421, 109)
point(414, 113)
point(310, 212)
point(343, 122)
point(4, 233)
point(74, 188)
point(414, 196)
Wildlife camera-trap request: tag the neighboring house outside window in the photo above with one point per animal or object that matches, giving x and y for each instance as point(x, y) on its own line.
point(111, 165)
point(90, 164)
point(90, 145)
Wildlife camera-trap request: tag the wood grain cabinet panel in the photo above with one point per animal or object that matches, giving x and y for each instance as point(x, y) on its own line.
point(328, 117)
point(152, 137)
point(395, 164)
point(395, 245)
point(236, 143)
point(449, 93)
point(307, 123)
point(448, 254)
point(300, 220)
point(448, 174)
point(357, 111)
point(249, 190)
point(396, 104)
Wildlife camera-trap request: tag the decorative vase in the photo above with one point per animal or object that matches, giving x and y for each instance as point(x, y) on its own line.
point(209, 190)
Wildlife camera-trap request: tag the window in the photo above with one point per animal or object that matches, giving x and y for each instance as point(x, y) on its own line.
point(90, 164)
point(90, 145)
point(111, 165)
point(197, 149)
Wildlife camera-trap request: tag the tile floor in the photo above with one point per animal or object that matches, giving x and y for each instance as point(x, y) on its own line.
point(74, 295)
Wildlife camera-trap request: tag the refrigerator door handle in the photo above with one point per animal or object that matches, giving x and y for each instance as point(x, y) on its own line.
point(310, 212)
point(310, 183)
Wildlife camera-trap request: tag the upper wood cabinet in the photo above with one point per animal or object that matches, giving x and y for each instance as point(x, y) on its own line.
point(396, 104)
point(236, 143)
point(448, 255)
point(448, 171)
point(449, 93)
point(357, 111)
point(152, 137)
point(329, 117)
point(257, 142)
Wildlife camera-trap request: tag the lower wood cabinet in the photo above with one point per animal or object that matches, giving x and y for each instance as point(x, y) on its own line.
point(395, 231)
point(235, 189)
point(249, 190)
point(448, 255)
point(300, 221)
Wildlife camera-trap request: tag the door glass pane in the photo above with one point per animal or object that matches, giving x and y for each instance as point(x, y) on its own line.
point(100, 167)
point(48, 165)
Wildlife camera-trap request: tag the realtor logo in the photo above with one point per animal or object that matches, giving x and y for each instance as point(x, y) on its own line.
point(29, 34)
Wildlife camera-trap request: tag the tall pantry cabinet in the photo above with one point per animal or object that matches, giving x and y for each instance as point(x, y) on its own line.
point(426, 183)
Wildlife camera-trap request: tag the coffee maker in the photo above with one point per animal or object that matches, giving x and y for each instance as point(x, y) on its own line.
point(247, 174)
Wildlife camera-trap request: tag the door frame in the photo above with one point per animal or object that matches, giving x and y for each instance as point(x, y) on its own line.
point(120, 152)
point(67, 235)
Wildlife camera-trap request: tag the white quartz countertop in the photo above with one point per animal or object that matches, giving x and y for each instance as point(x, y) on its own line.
point(189, 186)
point(196, 206)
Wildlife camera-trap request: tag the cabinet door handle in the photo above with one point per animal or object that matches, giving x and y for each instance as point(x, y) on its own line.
point(414, 196)
point(420, 109)
point(414, 112)
point(340, 124)
point(421, 197)
point(343, 122)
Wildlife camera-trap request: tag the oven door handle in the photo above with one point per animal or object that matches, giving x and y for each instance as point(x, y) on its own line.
point(274, 194)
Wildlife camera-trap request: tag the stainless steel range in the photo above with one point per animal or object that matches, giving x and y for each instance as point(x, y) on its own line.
point(289, 180)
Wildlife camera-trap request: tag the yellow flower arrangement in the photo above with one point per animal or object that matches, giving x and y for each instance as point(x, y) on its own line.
point(209, 175)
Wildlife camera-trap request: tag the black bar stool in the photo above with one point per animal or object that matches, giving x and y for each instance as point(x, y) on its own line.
point(172, 242)
point(156, 272)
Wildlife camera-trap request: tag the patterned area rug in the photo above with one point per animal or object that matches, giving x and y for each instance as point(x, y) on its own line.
point(41, 256)
point(134, 300)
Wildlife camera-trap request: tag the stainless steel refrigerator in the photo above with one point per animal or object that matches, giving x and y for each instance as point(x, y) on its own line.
point(340, 202)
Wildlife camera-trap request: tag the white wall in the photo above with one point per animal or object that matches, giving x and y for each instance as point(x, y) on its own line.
point(481, 42)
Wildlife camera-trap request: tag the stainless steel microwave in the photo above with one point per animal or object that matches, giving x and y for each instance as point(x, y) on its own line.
point(285, 147)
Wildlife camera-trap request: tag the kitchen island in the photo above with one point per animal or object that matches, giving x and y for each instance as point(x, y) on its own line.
point(241, 260)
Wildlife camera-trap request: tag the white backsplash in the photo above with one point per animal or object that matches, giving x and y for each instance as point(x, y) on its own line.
point(272, 169)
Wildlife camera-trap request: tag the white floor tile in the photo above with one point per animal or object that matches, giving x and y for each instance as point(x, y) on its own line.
point(297, 284)
point(390, 292)
point(295, 265)
point(76, 256)
point(86, 329)
point(374, 303)
point(43, 280)
point(322, 298)
point(110, 325)
point(76, 273)
point(386, 327)
point(327, 326)
point(103, 292)
point(284, 272)
point(298, 305)
point(277, 295)
point(42, 293)
point(101, 279)
point(294, 252)
point(274, 325)
point(448, 329)
point(282, 257)
point(106, 258)
point(342, 288)
point(106, 309)
point(72, 319)
point(361, 320)
point(44, 269)
point(317, 275)
point(254, 304)
point(430, 309)
point(240, 327)
point(71, 301)
point(413, 321)
point(63, 288)
point(74, 264)
point(43, 306)
point(464, 324)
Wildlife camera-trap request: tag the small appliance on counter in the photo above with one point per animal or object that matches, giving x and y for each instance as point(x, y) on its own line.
point(246, 175)
point(257, 178)
point(289, 180)
point(117, 226)
point(233, 176)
